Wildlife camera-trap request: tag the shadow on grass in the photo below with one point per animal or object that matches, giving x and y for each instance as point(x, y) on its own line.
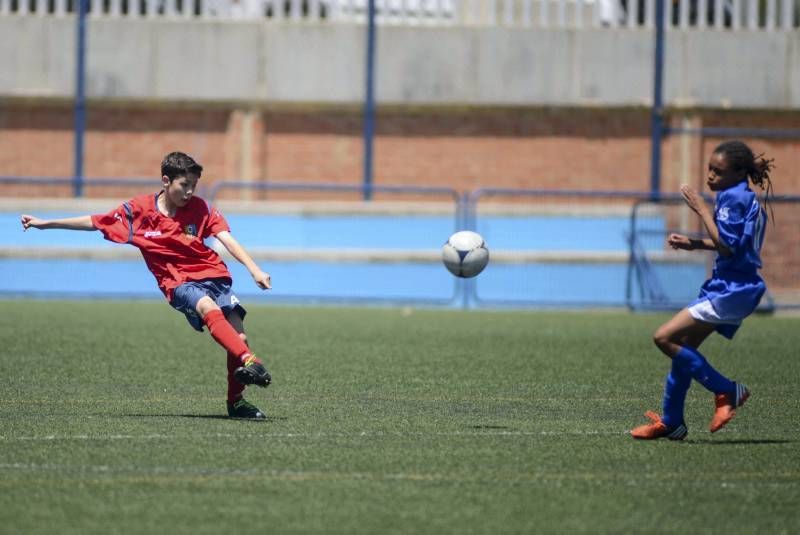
point(206, 417)
point(490, 427)
point(740, 441)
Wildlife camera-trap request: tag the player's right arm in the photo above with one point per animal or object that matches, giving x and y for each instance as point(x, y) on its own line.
point(83, 222)
point(698, 206)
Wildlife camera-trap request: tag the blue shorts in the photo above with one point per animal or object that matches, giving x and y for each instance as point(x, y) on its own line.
point(726, 303)
point(186, 296)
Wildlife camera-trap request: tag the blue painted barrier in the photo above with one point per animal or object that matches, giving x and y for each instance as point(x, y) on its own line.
point(540, 258)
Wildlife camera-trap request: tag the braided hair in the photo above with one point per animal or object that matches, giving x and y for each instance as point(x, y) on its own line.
point(740, 157)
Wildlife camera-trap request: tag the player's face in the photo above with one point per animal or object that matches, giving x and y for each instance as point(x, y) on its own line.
point(721, 175)
point(180, 190)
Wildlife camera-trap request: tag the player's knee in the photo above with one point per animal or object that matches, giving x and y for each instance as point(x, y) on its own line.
point(662, 339)
point(243, 337)
point(205, 305)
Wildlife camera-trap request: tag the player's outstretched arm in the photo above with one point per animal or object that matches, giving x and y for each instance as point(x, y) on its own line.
point(261, 278)
point(83, 222)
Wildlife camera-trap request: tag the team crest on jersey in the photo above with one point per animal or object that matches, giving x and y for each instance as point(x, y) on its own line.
point(723, 214)
point(190, 229)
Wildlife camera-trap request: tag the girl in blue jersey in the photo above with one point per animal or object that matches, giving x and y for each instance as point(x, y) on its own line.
point(736, 232)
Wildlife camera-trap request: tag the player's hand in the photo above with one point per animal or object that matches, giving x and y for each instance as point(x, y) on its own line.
point(679, 241)
point(29, 221)
point(263, 280)
point(693, 199)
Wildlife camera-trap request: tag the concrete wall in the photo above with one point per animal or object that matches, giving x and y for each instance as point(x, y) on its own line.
point(271, 64)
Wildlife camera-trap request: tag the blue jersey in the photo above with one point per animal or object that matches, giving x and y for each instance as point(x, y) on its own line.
point(735, 288)
point(741, 222)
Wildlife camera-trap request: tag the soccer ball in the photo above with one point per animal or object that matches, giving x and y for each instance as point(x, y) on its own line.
point(465, 254)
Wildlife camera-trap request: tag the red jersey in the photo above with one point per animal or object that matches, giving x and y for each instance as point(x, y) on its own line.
point(172, 247)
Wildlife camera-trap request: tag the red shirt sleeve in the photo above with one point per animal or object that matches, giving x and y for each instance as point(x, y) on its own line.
point(116, 225)
point(216, 223)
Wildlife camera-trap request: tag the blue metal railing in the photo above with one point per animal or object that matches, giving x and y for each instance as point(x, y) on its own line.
point(87, 182)
point(639, 265)
point(535, 247)
point(460, 200)
point(472, 295)
point(732, 132)
point(214, 189)
point(651, 292)
point(438, 192)
point(471, 199)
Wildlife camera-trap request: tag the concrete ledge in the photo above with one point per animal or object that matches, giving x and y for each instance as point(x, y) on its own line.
point(360, 256)
point(257, 65)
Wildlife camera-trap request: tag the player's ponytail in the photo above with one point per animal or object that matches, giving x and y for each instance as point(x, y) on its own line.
point(760, 172)
point(759, 175)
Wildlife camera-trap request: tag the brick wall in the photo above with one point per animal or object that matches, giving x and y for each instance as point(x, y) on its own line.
point(461, 148)
point(781, 252)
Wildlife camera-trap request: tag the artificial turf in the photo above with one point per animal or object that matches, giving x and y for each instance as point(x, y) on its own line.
point(384, 421)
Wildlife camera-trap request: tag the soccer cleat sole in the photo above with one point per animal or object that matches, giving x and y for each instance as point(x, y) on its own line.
point(246, 376)
point(258, 416)
point(245, 411)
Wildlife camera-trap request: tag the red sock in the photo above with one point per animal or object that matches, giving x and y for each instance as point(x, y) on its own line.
point(225, 335)
point(235, 388)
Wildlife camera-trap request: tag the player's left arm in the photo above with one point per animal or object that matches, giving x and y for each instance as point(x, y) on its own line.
point(699, 206)
point(261, 278)
point(681, 241)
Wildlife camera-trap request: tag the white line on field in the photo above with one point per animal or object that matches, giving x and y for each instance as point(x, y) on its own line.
point(194, 471)
point(158, 436)
point(169, 474)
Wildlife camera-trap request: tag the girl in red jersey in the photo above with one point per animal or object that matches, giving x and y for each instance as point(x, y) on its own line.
point(168, 228)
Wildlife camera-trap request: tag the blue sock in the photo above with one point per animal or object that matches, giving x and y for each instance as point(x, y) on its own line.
point(675, 388)
point(696, 365)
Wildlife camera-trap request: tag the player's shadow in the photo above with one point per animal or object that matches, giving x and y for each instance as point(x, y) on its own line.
point(222, 417)
point(494, 427)
point(736, 441)
point(207, 417)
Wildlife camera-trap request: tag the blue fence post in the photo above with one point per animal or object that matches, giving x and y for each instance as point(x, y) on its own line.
point(657, 112)
point(631, 257)
point(80, 100)
point(369, 101)
point(462, 212)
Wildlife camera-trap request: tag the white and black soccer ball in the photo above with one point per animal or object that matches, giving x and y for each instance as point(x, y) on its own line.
point(465, 254)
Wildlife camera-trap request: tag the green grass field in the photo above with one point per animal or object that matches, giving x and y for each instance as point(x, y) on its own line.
point(384, 421)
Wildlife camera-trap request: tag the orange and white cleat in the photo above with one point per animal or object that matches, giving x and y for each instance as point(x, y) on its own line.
point(658, 429)
point(726, 406)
